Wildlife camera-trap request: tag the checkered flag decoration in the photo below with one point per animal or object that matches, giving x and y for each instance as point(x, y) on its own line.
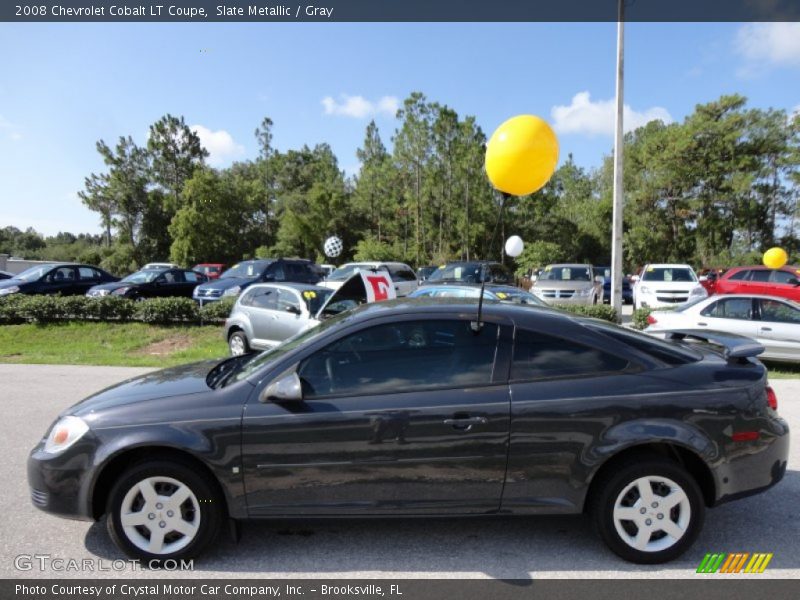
point(333, 247)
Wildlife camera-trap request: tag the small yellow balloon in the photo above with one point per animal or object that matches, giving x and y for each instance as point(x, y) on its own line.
point(521, 155)
point(775, 258)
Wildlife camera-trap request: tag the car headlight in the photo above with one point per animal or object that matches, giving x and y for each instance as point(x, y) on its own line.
point(96, 293)
point(585, 292)
point(9, 290)
point(64, 433)
point(232, 291)
point(698, 291)
point(120, 291)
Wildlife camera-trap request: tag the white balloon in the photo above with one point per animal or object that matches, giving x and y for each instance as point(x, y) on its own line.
point(514, 246)
point(333, 247)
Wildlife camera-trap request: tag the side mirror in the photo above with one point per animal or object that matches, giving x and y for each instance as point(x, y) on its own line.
point(794, 281)
point(286, 388)
point(293, 309)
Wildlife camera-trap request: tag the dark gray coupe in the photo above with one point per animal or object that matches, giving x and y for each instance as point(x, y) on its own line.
point(417, 407)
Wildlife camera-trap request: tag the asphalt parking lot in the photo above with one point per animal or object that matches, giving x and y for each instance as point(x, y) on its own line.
point(519, 548)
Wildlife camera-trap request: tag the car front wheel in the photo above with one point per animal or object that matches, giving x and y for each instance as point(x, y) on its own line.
point(163, 510)
point(237, 343)
point(648, 511)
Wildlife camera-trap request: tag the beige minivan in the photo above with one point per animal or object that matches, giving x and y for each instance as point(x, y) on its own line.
point(569, 284)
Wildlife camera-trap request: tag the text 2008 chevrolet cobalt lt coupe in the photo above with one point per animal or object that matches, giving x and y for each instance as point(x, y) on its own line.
point(415, 407)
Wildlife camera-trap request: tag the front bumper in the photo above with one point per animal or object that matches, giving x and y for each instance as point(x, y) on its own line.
point(573, 300)
point(61, 484)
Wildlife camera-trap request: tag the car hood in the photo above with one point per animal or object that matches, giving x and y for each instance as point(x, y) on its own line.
point(176, 381)
point(227, 282)
point(6, 283)
point(562, 285)
point(114, 285)
point(673, 286)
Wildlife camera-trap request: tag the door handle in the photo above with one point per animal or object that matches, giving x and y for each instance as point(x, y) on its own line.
point(465, 423)
point(766, 329)
point(702, 324)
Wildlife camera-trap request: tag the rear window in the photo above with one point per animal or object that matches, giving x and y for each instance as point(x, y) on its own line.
point(659, 349)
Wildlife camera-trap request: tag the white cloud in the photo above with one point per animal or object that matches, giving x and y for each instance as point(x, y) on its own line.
point(597, 118)
point(768, 44)
point(359, 107)
point(795, 111)
point(220, 145)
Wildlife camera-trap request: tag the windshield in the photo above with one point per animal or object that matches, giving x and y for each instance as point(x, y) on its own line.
point(248, 270)
point(144, 276)
point(466, 272)
point(346, 271)
point(669, 274)
point(250, 367)
point(572, 273)
point(34, 273)
point(206, 269)
point(314, 299)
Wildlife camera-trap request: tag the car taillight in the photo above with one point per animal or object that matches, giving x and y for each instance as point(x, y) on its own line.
point(772, 398)
point(651, 320)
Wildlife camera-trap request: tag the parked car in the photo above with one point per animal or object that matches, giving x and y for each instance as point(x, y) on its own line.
point(521, 411)
point(67, 279)
point(666, 285)
point(424, 272)
point(5, 275)
point(243, 274)
point(403, 276)
point(494, 292)
point(771, 321)
point(327, 270)
point(266, 314)
point(151, 283)
point(569, 284)
point(783, 282)
point(210, 270)
point(459, 272)
point(627, 290)
point(160, 265)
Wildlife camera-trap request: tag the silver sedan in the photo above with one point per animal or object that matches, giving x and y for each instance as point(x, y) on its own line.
point(773, 322)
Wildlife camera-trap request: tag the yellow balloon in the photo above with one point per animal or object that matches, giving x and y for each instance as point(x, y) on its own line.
point(521, 155)
point(775, 258)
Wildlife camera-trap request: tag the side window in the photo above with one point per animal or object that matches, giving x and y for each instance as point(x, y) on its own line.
point(785, 277)
point(400, 357)
point(287, 299)
point(88, 274)
point(246, 298)
point(402, 274)
point(778, 312)
point(265, 298)
point(191, 276)
point(740, 275)
point(540, 356)
point(730, 308)
point(61, 275)
point(277, 272)
point(759, 275)
point(499, 275)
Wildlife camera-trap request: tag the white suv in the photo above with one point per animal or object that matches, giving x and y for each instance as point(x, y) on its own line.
point(662, 285)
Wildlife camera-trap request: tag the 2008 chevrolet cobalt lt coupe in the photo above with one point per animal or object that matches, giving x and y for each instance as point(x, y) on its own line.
point(418, 407)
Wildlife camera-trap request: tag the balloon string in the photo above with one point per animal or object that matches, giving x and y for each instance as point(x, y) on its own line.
point(503, 197)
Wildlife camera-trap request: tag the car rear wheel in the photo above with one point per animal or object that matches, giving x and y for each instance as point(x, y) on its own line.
point(163, 510)
point(648, 511)
point(238, 344)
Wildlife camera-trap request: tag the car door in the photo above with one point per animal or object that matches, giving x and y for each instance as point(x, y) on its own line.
point(190, 281)
point(87, 278)
point(291, 315)
point(61, 280)
point(405, 416)
point(779, 329)
point(262, 312)
point(784, 284)
point(731, 315)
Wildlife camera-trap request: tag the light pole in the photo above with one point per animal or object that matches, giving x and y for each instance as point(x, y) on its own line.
point(616, 228)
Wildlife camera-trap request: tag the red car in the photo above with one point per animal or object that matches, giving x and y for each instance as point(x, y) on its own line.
point(783, 282)
point(210, 270)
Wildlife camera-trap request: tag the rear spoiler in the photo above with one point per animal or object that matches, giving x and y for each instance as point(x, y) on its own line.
point(734, 346)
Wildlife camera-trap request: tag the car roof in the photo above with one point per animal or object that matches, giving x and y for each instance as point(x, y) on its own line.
point(757, 296)
point(668, 265)
point(300, 287)
point(570, 265)
point(764, 268)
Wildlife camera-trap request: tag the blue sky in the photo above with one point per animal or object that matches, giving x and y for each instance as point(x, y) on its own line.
point(63, 87)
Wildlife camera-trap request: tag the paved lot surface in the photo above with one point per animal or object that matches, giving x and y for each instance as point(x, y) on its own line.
point(540, 547)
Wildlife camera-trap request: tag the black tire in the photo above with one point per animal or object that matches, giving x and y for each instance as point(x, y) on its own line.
point(209, 506)
point(608, 489)
point(239, 334)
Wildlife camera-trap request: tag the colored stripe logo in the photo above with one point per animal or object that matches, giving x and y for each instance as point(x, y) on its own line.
point(735, 562)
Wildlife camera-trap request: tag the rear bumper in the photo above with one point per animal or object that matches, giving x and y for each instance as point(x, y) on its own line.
point(754, 467)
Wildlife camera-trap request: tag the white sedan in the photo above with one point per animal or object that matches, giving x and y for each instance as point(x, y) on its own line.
point(773, 322)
